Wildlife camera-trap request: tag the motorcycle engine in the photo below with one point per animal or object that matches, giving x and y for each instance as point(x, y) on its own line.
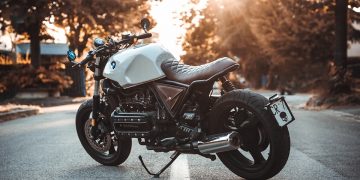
point(137, 114)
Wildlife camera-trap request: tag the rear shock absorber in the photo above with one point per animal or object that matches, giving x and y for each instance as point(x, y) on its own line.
point(226, 84)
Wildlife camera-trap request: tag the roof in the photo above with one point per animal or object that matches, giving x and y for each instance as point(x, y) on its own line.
point(45, 48)
point(354, 50)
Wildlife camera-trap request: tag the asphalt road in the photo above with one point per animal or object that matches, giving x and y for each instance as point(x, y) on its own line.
point(325, 145)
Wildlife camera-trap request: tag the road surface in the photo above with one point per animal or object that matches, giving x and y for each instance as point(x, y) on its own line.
point(325, 145)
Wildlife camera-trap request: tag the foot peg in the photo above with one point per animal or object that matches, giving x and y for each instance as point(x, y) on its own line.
point(169, 142)
point(157, 175)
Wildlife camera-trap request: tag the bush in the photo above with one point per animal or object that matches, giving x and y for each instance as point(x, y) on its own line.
point(28, 77)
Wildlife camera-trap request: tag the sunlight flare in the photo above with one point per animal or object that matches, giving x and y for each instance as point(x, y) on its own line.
point(170, 27)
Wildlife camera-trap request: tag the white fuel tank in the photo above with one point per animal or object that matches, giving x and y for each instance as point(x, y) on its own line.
point(137, 65)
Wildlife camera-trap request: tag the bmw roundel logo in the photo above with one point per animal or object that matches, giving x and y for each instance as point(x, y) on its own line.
point(113, 64)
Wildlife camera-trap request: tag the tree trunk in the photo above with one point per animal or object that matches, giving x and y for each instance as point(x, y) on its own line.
point(340, 54)
point(35, 45)
point(340, 82)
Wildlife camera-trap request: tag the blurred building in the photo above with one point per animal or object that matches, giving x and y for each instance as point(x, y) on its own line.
point(354, 59)
point(51, 54)
point(353, 64)
point(7, 57)
point(353, 54)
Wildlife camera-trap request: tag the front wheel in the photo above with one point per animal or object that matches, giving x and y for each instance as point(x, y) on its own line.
point(265, 146)
point(106, 149)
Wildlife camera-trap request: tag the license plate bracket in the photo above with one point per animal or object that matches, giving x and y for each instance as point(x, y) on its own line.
point(280, 111)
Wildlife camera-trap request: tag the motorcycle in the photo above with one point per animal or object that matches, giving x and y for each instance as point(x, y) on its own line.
point(143, 92)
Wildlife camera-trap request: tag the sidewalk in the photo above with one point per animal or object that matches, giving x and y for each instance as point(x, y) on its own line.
point(352, 110)
point(17, 108)
point(299, 100)
point(13, 111)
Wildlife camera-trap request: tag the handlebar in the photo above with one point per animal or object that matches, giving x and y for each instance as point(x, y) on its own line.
point(144, 36)
point(131, 38)
point(91, 54)
point(87, 59)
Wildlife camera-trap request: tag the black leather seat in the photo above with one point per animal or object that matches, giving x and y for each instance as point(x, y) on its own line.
point(187, 74)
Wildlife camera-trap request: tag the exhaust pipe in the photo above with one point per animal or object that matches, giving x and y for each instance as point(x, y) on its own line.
point(219, 143)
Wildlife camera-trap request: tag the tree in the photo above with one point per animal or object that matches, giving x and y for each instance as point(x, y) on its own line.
point(340, 51)
point(200, 40)
point(224, 31)
point(27, 16)
point(84, 19)
point(238, 39)
point(300, 34)
point(297, 36)
point(291, 41)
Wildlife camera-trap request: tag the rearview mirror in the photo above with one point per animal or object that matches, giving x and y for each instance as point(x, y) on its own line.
point(71, 55)
point(145, 24)
point(98, 42)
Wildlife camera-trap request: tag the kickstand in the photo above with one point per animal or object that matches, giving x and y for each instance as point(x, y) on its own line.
point(157, 175)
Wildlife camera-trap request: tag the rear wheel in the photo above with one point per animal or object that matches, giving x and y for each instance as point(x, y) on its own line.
point(106, 148)
point(264, 147)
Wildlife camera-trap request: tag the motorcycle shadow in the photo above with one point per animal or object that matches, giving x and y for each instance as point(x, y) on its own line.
point(109, 172)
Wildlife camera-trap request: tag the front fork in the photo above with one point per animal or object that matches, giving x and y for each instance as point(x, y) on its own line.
point(96, 96)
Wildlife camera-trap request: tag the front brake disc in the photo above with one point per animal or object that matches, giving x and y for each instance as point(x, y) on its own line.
point(101, 144)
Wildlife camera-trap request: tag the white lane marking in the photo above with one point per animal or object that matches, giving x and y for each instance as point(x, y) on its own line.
point(180, 168)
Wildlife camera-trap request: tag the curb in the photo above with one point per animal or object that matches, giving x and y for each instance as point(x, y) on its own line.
point(48, 102)
point(29, 107)
point(6, 116)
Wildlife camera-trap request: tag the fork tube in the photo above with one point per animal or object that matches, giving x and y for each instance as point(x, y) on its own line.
point(96, 96)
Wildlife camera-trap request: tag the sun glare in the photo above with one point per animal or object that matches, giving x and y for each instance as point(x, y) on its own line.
point(57, 33)
point(170, 29)
point(357, 9)
point(5, 41)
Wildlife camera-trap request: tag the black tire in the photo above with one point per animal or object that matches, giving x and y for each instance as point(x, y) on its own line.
point(116, 157)
point(277, 138)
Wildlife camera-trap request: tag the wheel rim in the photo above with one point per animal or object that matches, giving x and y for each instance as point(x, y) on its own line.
point(255, 148)
point(105, 145)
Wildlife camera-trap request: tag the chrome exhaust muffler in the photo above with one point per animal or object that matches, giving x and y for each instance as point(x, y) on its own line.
point(219, 143)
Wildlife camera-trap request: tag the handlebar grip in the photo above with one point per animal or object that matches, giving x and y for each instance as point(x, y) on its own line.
point(86, 60)
point(144, 36)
